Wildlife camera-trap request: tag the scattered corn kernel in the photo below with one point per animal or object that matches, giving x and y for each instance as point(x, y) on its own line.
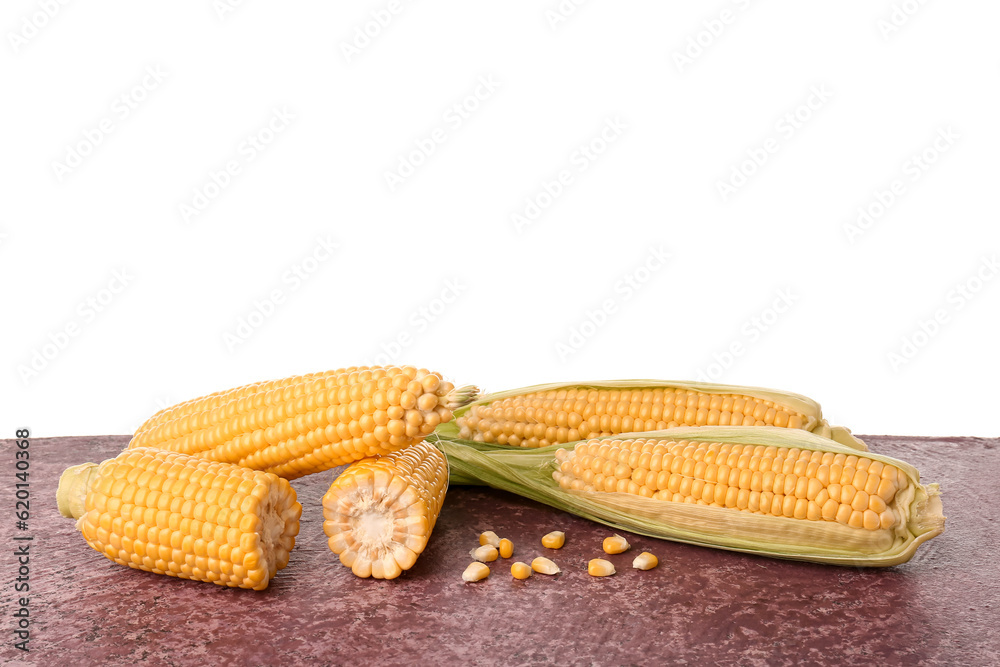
point(520, 570)
point(475, 572)
point(543, 565)
point(506, 548)
point(598, 567)
point(485, 554)
point(554, 540)
point(645, 561)
point(489, 537)
point(615, 545)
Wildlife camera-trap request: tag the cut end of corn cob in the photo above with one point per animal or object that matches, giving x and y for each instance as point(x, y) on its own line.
point(554, 540)
point(615, 545)
point(309, 423)
point(379, 513)
point(475, 572)
point(598, 567)
point(645, 561)
point(543, 565)
point(520, 570)
point(173, 514)
point(557, 414)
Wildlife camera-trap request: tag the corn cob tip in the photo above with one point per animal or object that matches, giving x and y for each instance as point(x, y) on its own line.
point(461, 396)
point(74, 483)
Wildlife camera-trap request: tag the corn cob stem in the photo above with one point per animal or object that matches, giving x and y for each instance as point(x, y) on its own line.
point(841, 540)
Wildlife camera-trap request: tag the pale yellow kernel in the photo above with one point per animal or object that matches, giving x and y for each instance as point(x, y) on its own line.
point(598, 567)
point(645, 561)
point(475, 572)
point(489, 537)
point(543, 565)
point(486, 553)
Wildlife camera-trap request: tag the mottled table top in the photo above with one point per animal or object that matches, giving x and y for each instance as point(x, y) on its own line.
point(699, 607)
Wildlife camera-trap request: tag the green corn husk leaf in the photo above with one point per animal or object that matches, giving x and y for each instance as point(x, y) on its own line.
point(528, 472)
point(808, 407)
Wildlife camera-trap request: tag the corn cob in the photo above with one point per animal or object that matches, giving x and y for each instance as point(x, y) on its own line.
point(174, 514)
point(379, 513)
point(548, 414)
point(770, 491)
point(309, 423)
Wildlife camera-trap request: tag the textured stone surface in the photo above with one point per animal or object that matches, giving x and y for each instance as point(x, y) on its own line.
point(699, 607)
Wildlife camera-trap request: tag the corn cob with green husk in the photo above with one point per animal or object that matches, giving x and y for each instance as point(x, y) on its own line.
point(559, 413)
point(771, 491)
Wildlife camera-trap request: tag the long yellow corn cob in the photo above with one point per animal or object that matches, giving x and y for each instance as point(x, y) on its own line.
point(549, 414)
point(309, 423)
point(379, 512)
point(771, 491)
point(174, 514)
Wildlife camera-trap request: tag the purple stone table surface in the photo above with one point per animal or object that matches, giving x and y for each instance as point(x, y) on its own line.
point(699, 607)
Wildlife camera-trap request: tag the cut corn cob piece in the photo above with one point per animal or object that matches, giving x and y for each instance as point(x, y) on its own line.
point(543, 565)
point(615, 545)
point(174, 514)
point(645, 561)
point(475, 572)
point(520, 570)
point(309, 423)
point(506, 548)
point(489, 537)
point(598, 567)
point(485, 554)
point(544, 415)
point(379, 512)
point(770, 491)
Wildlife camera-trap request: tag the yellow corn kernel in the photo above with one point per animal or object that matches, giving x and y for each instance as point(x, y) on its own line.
point(645, 561)
point(485, 554)
point(475, 572)
point(489, 537)
point(123, 517)
point(598, 567)
point(309, 423)
point(506, 548)
point(543, 565)
point(379, 512)
point(615, 544)
point(554, 540)
point(520, 570)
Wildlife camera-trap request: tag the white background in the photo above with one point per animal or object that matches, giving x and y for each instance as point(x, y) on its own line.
point(683, 120)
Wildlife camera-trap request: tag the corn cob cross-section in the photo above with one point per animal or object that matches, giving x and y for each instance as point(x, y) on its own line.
point(379, 513)
point(309, 423)
point(559, 413)
point(173, 514)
